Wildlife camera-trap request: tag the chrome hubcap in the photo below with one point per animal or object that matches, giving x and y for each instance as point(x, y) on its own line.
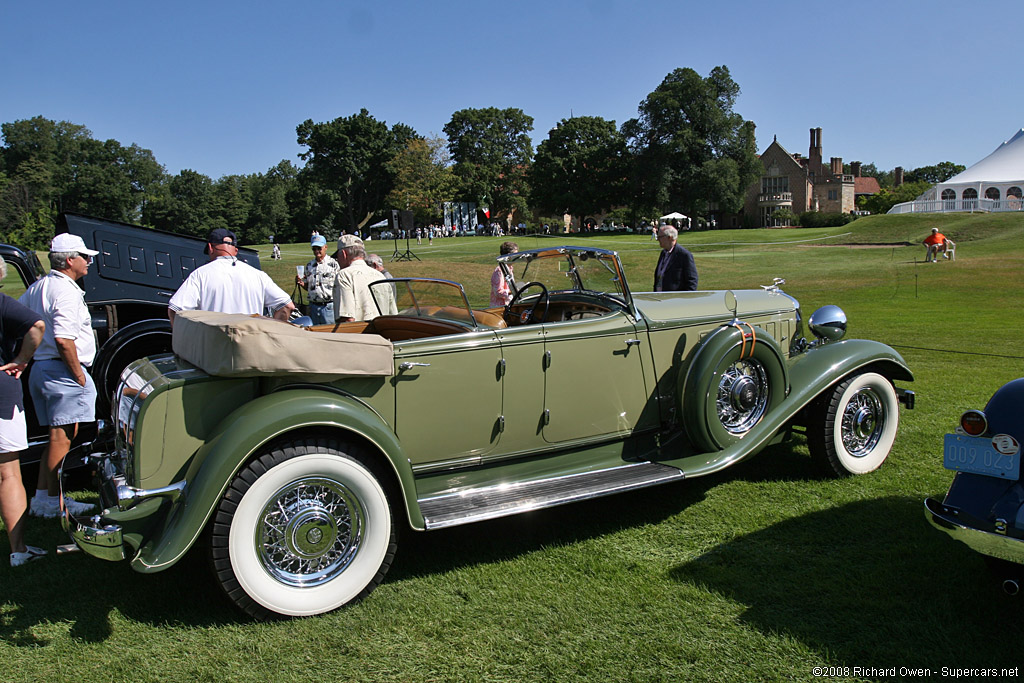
point(309, 532)
point(742, 396)
point(862, 423)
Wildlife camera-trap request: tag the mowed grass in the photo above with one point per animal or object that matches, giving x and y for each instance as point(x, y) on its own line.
point(761, 572)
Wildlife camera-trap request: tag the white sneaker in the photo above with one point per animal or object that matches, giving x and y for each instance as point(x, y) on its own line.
point(77, 509)
point(43, 507)
point(31, 554)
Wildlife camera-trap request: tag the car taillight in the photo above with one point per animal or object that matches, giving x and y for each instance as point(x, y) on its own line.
point(974, 422)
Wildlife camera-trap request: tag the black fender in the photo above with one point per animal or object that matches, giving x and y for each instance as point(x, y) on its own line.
point(138, 340)
point(715, 354)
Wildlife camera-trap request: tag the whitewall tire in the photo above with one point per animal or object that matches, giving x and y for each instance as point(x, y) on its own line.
point(303, 530)
point(854, 425)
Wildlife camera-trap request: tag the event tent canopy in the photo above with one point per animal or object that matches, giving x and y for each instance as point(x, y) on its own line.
point(674, 216)
point(996, 183)
point(1004, 165)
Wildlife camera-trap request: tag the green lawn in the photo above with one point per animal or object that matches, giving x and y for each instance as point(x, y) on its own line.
point(761, 572)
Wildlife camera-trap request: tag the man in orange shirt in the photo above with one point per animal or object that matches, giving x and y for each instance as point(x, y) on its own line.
point(935, 243)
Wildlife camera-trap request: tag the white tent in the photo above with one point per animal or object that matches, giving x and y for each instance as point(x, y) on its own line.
point(996, 183)
point(684, 221)
point(381, 224)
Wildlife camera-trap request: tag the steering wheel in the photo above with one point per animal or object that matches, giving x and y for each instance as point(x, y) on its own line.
point(529, 316)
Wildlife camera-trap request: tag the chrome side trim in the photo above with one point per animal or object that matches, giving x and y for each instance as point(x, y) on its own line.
point(944, 518)
point(490, 502)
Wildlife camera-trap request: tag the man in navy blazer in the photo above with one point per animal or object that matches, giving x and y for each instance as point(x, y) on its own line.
point(676, 271)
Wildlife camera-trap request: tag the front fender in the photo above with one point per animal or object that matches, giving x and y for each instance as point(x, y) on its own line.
point(821, 366)
point(809, 374)
point(242, 434)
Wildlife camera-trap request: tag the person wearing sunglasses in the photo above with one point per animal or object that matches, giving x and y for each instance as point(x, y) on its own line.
point(62, 391)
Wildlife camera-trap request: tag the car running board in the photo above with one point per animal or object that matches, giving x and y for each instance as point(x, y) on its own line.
point(474, 505)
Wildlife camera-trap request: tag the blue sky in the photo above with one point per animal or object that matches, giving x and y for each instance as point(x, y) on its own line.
point(219, 87)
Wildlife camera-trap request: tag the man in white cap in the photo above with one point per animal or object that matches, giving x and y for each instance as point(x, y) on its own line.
point(352, 298)
point(318, 280)
point(227, 285)
point(62, 390)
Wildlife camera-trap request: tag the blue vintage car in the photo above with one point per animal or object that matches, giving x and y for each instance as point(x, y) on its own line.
point(984, 506)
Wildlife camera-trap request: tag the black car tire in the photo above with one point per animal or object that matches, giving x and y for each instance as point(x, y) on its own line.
point(303, 529)
point(853, 424)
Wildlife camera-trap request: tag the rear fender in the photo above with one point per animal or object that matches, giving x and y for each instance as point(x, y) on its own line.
point(241, 435)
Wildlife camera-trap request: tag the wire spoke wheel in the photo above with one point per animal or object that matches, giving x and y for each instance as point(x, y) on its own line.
point(742, 396)
point(863, 422)
point(309, 532)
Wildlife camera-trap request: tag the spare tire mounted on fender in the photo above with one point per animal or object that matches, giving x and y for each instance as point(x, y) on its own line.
point(736, 376)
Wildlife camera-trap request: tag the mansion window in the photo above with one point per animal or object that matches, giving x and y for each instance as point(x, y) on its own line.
point(833, 195)
point(774, 184)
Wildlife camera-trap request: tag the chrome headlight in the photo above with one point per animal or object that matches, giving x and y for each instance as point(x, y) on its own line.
point(828, 323)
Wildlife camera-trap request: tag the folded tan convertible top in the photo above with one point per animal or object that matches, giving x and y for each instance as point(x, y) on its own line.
point(232, 345)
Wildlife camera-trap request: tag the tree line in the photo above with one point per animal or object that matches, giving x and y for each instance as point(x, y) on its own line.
point(686, 150)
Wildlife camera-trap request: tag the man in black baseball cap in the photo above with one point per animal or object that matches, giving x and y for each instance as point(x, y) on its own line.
point(220, 236)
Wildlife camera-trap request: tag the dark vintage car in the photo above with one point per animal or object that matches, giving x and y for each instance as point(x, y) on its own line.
point(298, 456)
point(126, 290)
point(984, 507)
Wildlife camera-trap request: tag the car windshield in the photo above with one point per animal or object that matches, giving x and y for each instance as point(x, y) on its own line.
point(424, 298)
point(573, 269)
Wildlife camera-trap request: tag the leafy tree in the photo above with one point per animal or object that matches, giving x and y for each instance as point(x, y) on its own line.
point(58, 166)
point(350, 160)
point(271, 196)
point(581, 168)
point(230, 205)
point(423, 179)
point(889, 197)
point(183, 205)
point(492, 151)
point(690, 148)
point(932, 175)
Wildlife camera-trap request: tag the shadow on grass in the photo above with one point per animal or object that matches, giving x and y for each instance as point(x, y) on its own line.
point(424, 553)
point(85, 591)
point(867, 584)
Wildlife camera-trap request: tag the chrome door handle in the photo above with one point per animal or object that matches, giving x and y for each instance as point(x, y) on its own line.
point(407, 365)
point(632, 342)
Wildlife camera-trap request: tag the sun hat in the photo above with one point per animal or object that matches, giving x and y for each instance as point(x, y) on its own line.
point(66, 242)
point(318, 241)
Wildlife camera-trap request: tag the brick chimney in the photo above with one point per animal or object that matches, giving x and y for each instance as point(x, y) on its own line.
point(814, 153)
point(855, 168)
point(897, 176)
point(837, 166)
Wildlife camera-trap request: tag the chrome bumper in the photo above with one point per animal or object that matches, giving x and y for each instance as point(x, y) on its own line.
point(991, 543)
point(104, 538)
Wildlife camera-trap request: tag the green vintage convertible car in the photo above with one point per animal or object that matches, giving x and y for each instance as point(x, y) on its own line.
point(295, 456)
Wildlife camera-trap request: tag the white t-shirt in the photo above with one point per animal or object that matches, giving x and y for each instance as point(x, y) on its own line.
point(60, 302)
point(227, 285)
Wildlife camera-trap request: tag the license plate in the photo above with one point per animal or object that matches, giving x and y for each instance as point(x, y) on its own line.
point(977, 455)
